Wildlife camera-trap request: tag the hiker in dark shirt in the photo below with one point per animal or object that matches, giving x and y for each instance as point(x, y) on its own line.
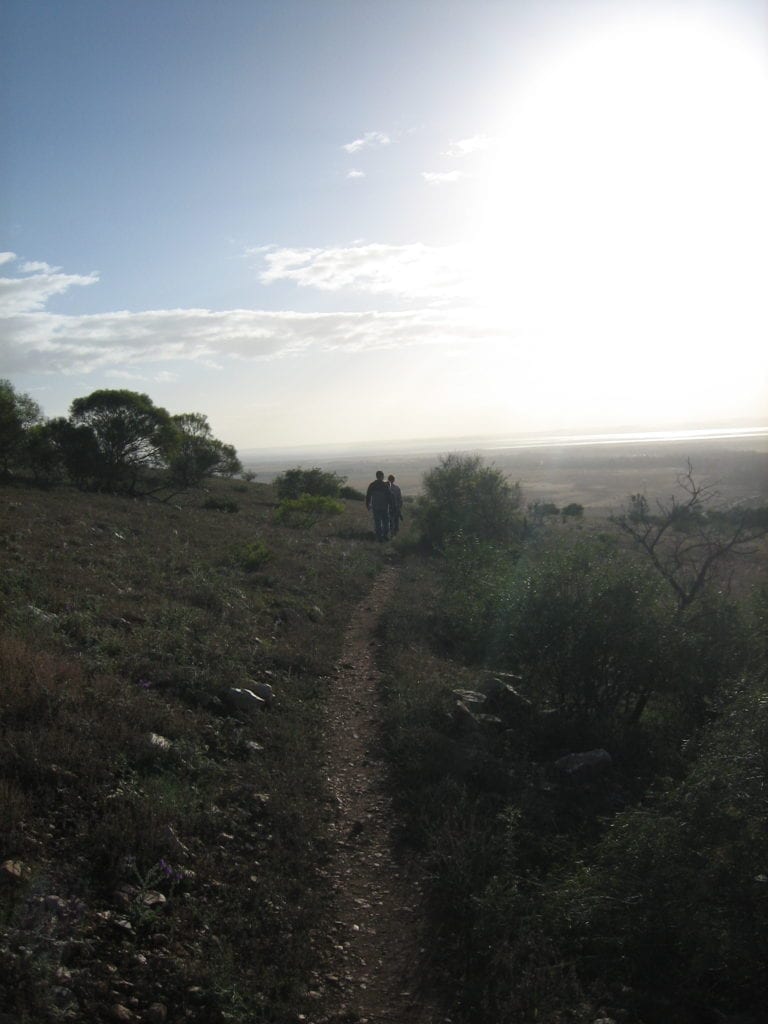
point(396, 509)
point(378, 499)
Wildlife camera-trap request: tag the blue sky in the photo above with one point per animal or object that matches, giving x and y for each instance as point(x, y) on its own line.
point(344, 221)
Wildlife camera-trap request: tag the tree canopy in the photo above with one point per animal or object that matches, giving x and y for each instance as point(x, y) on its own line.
point(18, 414)
point(113, 440)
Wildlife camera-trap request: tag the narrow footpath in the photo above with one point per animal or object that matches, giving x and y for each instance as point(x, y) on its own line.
point(379, 941)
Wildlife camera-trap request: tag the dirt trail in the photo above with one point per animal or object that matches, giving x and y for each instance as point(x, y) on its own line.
point(378, 939)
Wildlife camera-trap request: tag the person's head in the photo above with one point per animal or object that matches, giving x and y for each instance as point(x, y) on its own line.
point(379, 474)
point(391, 478)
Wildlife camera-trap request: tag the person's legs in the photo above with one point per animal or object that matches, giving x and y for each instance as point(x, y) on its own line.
point(381, 523)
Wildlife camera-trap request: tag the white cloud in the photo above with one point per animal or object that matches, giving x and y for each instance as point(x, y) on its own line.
point(120, 342)
point(7, 257)
point(473, 144)
point(442, 177)
point(37, 266)
point(356, 174)
point(412, 271)
point(368, 140)
point(27, 294)
point(124, 343)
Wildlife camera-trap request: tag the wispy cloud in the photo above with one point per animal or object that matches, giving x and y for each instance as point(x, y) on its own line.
point(27, 294)
point(368, 140)
point(38, 266)
point(412, 271)
point(468, 146)
point(442, 177)
point(117, 342)
point(354, 174)
point(135, 345)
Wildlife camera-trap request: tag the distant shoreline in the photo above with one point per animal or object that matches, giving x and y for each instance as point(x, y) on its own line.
point(291, 455)
point(596, 470)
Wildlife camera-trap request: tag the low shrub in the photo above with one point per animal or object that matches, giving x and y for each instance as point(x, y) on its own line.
point(220, 505)
point(464, 496)
point(307, 510)
point(293, 483)
point(252, 556)
point(351, 494)
point(674, 901)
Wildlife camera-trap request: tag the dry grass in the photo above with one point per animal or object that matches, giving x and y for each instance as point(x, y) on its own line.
point(157, 848)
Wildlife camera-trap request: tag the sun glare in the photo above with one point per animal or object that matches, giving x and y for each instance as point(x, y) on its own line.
point(626, 209)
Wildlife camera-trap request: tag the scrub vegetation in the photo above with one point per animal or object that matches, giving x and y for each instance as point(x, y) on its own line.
point(575, 724)
point(578, 730)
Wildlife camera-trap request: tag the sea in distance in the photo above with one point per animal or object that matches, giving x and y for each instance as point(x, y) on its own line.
point(597, 469)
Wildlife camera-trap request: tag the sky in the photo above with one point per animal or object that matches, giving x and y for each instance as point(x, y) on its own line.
point(342, 221)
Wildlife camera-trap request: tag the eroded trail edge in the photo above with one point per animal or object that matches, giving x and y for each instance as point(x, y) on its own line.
point(378, 939)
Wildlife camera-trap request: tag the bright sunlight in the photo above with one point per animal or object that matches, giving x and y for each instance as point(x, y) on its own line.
point(625, 214)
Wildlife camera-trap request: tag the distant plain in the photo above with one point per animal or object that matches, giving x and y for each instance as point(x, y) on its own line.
point(598, 475)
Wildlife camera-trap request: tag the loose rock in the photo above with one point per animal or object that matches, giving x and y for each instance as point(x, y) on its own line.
point(120, 1012)
point(584, 765)
point(246, 701)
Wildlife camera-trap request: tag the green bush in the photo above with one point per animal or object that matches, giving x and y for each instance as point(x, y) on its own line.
point(587, 630)
point(641, 890)
point(675, 900)
point(591, 629)
point(253, 556)
point(472, 607)
point(541, 510)
point(307, 510)
point(294, 483)
point(574, 510)
point(351, 494)
point(464, 496)
point(220, 505)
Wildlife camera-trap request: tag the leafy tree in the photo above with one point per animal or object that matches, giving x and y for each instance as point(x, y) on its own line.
point(464, 496)
point(197, 454)
point(18, 414)
point(315, 482)
point(77, 450)
point(132, 435)
point(43, 456)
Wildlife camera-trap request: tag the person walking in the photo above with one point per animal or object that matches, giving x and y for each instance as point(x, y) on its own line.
point(396, 508)
point(378, 499)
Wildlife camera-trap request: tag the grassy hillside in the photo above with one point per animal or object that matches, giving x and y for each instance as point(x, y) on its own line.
point(160, 849)
point(578, 754)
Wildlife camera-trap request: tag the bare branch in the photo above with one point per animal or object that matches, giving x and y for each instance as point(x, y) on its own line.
point(690, 538)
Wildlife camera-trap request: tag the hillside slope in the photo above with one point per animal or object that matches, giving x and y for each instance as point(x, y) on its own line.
point(162, 845)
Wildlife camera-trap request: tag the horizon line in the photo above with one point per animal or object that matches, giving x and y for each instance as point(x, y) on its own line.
point(496, 442)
